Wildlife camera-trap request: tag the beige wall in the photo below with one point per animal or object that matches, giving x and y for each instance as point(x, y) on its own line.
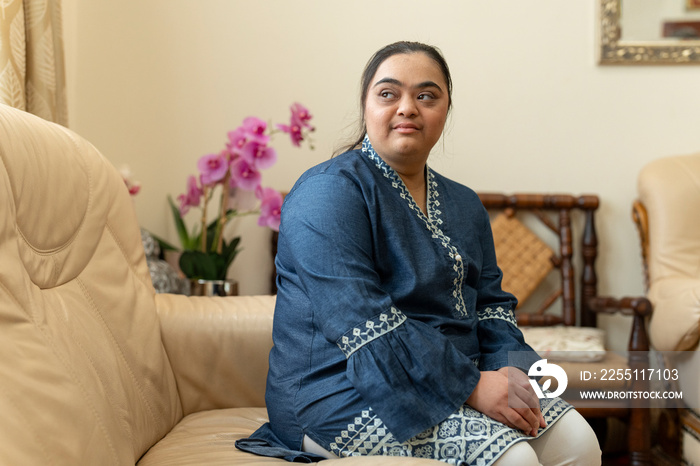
point(158, 83)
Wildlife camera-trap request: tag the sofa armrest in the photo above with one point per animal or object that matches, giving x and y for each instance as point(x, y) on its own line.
point(218, 348)
point(676, 320)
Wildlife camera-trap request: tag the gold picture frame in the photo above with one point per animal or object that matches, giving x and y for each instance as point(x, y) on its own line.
point(613, 51)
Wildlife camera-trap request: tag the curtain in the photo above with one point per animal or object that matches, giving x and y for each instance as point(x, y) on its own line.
point(32, 69)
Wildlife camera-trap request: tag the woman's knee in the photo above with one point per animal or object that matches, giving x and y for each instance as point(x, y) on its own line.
point(520, 454)
point(570, 441)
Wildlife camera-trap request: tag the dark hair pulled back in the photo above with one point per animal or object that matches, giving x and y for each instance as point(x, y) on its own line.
point(402, 47)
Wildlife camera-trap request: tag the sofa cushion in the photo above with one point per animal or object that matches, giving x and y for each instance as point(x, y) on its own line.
point(566, 343)
point(209, 437)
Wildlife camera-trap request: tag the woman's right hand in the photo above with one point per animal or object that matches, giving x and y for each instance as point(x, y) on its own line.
point(491, 398)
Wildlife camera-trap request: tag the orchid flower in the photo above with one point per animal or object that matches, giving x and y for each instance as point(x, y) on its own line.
point(259, 155)
point(301, 115)
point(131, 184)
point(294, 132)
point(236, 140)
point(297, 123)
point(245, 175)
point(255, 129)
point(192, 197)
point(206, 252)
point(213, 168)
point(270, 208)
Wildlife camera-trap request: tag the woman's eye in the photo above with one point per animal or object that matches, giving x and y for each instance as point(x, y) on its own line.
point(425, 97)
point(386, 94)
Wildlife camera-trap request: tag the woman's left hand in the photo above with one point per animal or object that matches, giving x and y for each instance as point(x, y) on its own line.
point(520, 392)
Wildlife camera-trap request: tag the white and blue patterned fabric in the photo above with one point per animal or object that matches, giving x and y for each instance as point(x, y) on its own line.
point(385, 315)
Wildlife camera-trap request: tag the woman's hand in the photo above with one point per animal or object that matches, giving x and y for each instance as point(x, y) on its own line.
point(524, 395)
point(491, 397)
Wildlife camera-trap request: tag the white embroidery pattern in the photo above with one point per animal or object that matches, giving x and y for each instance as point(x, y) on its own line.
point(432, 221)
point(465, 437)
point(498, 313)
point(372, 329)
point(367, 435)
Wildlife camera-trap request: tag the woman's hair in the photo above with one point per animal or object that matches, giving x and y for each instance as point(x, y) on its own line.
point(373, 64)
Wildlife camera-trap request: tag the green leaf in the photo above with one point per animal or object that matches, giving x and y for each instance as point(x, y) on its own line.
point(185, 239)
point(164, 245)
point(199, 265)
point(230, 251)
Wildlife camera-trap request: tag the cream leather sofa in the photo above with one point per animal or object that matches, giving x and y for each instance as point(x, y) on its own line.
point(95, 368)
point(668, 216)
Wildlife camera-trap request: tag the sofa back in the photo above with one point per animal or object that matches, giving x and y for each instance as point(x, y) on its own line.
point(669, 190)
point(84, 378)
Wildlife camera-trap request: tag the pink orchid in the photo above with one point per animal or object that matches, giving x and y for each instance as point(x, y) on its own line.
point(255, 129)
point(131, 184)
point(259, 155)
point(245, 175)
point(270, 208)
point(212, 167)
point(301, 115)
point(294, 132)
point(298, 121)
point(237, 139)
point(192, 197)
point(234, 177)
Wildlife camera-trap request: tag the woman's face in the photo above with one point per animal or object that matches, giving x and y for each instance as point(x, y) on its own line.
point(406, 109)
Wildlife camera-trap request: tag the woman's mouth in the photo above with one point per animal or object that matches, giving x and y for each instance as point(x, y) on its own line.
point(406, 128)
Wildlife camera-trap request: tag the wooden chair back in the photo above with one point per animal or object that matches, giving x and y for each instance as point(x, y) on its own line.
point(556, 212)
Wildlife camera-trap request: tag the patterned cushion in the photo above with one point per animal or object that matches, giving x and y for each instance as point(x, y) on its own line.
point(566, 343)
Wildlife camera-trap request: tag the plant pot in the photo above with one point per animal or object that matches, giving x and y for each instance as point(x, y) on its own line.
point(213, 288)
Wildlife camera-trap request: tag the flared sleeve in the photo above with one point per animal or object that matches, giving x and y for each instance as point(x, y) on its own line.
point(408, 372)
point(500, 341)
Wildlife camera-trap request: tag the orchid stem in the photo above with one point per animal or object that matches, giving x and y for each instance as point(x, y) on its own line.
point(204, 220)
point(222, 214)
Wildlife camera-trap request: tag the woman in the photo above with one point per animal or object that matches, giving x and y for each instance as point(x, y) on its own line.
point(392, 334)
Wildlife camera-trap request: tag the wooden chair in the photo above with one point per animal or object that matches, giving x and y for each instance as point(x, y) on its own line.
point(560, 214)
point(565, 306)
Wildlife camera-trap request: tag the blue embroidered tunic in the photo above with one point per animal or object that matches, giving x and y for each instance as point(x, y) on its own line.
point(385, 316)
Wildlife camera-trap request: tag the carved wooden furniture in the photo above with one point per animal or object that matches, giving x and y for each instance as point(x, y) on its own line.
point(561, 215)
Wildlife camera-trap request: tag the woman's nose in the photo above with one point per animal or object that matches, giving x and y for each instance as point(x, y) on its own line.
point(407, 107)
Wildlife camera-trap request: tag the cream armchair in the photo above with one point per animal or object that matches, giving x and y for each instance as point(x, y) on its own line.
point(97, 369)
point(667, 214)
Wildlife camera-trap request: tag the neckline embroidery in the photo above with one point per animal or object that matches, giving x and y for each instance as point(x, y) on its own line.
point(432, 221)
point(432, 203)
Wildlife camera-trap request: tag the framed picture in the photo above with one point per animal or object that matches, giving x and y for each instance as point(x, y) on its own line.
point(692, 4)
point(681, 30)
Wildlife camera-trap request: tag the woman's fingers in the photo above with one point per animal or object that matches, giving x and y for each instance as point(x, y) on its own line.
point(521, 393)
point(511, 404)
